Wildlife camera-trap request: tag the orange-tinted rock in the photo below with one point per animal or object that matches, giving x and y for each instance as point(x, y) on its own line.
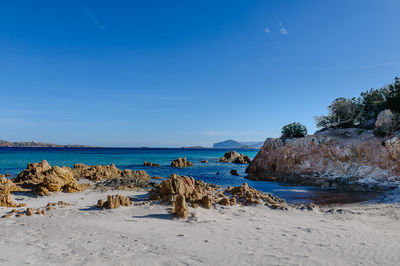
point(224, 201)
point(247, 196)
point(7, 187)
point(44, 179)
point(60, 179)
point(34, 173)
point(114, 202)
point(96, 172)
point(206, 202)
point(29, 211)
point(181, 207)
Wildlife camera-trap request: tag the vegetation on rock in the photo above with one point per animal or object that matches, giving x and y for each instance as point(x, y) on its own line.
point(362, 112)
point(293, 130)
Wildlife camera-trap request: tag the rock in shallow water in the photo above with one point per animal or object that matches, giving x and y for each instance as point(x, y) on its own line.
point(233, 172)
point(181, 162)
point(151, 164)
point(234, 157)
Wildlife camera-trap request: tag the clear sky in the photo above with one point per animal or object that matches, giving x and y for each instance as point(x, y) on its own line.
point(175, 73)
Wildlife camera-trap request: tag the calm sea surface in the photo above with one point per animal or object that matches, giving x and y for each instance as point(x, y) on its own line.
point(14, 160)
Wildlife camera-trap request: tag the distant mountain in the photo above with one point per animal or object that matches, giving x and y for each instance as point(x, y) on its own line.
point(233, 144)
point(254, 144)
point(4, 143)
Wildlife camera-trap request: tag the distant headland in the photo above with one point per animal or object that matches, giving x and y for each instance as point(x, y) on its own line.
point(4, 143)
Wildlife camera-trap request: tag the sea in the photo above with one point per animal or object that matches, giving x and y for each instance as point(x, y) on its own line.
point(14, 160)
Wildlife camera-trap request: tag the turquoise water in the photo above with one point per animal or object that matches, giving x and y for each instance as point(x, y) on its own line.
point(14, 160)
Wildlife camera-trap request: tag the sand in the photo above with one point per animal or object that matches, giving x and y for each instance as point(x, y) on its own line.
point(367, 234)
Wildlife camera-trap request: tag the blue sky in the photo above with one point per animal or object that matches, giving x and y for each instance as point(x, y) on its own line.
point(179, 73)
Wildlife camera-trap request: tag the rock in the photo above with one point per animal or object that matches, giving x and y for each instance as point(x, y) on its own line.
point(246, 195)
point(233, 172)
point(29, 211)
point(181, 162)
point(8, 175)
point(60, 179)
point(157, 177)
point(34, 173)
point(96, 172)
point(235, 157)
point(177, 185)
point(63, 203)
point(206, 202)
point(114, 202)
point(204, 161)
point(385, 122)
point(224, 201)
point(194, 191)
point(138, 178)
point(43, 178)
point(200, 193)
point(343, 158)
point(232, 201)
point(129, 180)
point(181, 207)
point(151, 164)
point(312, 207)
point(7, 186)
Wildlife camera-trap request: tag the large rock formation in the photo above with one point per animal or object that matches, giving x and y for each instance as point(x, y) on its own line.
point(34, 173)
point(347, 158)
point(181, 162)
point(96, 172)
point(60, 179)
point(43, 178)
point(113, 176)
point(234, 157)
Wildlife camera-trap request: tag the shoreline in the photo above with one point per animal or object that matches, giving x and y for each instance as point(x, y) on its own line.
point(148, 234)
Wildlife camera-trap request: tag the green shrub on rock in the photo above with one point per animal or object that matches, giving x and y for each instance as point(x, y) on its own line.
point(362, 112)
point(293, 130)
point(343, 113)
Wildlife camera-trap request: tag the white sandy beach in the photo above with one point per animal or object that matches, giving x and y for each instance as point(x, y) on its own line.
point(361, 234)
